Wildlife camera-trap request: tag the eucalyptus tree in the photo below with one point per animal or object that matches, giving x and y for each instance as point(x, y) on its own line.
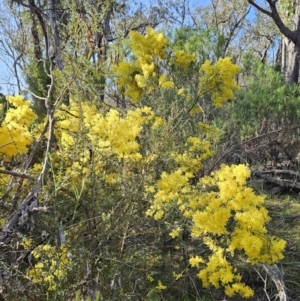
point(287, 19)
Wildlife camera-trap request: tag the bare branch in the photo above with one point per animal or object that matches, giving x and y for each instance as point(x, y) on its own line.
point(281, 171)
point(290, 34)
point(232, 31)
point(43, 26)
point(17, 174)
point(266, 12)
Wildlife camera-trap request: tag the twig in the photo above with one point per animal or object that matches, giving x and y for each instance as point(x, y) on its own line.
point(17, 174)
point(125, 234)
point(265, 282)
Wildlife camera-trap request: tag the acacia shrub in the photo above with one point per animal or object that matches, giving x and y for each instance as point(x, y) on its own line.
point(129, 213)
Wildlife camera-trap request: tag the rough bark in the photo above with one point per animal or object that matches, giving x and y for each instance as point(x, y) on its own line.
point(56, 38)
point(289, 61)
point(290, 52)
point(36, 40)
point(37, 11)
point(277, 277)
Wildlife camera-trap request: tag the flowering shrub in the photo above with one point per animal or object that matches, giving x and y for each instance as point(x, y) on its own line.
point(105, 169)
point(15, 134)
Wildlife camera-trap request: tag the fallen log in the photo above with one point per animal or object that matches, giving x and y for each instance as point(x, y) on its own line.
point(281, 172)
point(279, 182)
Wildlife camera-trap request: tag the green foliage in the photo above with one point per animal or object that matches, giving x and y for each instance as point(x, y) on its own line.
point(38, 80)
point(4, 105)
point(266, 104)
point(287, 11)
point(205, 43)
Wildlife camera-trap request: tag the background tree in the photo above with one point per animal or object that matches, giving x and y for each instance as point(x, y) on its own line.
point(290, 43)
point(238, 29)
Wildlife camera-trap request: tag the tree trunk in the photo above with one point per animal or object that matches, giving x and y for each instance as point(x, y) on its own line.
point(289, 60)
point(290, 45)
point(56, 38)
point(290, 52)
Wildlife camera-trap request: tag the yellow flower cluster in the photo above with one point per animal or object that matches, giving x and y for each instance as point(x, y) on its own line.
point(150, 46)
point(100, 136)
point(26, 243)
point(195, 261)
point(177, 276)
point(141, 75)
point(170, 187)
point(150, 49)
point(183, 59)
point(160, 286)
point(158, 122)
point(133, 76)
point(109, 134)
point(235, 201)
point(15, 135)
point(235, 204)
point(164, 82)
point(174, 233)
point(130, 80)
point(217, 80)
point(112, 178)
point(197, 151)
point(226, 214)
point(114, 134)
point(174, 187)
point(217, 271)
point(51, 267)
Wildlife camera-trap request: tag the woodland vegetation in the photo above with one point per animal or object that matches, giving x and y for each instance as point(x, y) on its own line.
point(149, 151)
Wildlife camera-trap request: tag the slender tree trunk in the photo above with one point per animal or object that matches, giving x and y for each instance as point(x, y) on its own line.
point(56, 38)
point(36, 40)
point(290, 52)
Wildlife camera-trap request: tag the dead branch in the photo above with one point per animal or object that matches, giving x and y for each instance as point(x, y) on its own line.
point(281, 183)
point(281, 172)
point(17, 174)
point(277, 277)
